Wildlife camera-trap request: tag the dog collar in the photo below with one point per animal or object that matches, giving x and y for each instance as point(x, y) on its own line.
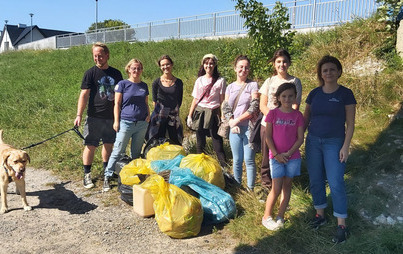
point(10, 179)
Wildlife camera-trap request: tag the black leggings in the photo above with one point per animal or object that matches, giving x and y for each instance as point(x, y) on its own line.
point(172, 133)
point(218, 144)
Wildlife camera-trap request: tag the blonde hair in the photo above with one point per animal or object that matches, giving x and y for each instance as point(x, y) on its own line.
point(101, 45)
point(134, 60)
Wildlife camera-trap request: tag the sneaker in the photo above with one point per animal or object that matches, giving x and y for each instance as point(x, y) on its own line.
point(318, 221)
point(280, 222)
point(106, 186)
point(341, 234)
point(88, 181)
point(270, 224)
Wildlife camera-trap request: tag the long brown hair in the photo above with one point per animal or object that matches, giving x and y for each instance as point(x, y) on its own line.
point(202, 71)
point(277, 54)
point(165, 57)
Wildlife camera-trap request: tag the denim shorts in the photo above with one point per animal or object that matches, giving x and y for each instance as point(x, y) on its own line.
point(290, 169)
point(97, 129)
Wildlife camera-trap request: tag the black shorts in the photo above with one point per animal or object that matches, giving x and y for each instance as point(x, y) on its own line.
point(97, 129)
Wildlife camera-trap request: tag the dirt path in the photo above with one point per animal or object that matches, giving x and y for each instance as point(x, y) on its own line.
point(66, 218)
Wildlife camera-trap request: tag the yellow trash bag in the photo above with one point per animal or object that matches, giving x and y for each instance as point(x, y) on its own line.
point(177, 213)
point(205, 167)
point(165, 151)
point(129, 173)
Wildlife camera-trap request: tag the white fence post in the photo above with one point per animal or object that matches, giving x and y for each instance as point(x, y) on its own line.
point(179, 28)
point(214, 23)
point(149, 31)
point(313, 13)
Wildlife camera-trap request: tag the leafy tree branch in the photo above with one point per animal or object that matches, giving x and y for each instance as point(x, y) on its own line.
point(268, 31)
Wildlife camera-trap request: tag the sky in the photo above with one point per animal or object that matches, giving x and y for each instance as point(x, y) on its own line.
point(78, 15)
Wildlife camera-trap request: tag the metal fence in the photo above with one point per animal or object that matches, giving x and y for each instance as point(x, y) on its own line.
point(302, 13)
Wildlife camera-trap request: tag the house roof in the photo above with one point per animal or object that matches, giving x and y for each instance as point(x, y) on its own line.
point(13, 32)
point(17, 33)
point(24, 32)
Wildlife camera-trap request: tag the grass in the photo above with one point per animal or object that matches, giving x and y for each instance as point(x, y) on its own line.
point(38, 97)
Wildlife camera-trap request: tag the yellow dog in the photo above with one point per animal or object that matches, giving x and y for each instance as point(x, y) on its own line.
point(13, 164)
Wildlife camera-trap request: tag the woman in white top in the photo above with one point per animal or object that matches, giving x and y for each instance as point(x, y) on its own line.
point(281, 62)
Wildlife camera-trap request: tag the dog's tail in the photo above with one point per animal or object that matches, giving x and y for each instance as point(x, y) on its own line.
point(1, 136)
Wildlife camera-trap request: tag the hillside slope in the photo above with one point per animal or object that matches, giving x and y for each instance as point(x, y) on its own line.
point(39, 91)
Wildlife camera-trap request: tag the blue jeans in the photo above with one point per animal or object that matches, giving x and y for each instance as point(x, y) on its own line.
point(127, 129)
point(290, 169)
point(240, 151)
point(322, 157)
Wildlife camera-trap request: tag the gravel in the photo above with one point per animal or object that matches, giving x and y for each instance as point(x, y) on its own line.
point(66, 218)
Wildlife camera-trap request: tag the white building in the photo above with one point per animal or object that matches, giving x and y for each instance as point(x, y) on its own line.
point(14, 36)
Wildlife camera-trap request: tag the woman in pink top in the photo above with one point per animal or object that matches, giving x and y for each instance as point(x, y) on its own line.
point(285, 134)
point(204, 114)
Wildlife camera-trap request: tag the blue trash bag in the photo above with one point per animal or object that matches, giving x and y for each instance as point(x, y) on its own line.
point(218, 205)
point(161, 165)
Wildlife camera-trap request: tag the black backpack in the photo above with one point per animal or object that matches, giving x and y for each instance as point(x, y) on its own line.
point(255, 138)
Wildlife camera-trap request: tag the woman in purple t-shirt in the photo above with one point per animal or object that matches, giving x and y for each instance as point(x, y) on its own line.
point(131, 116)
point(238, 112)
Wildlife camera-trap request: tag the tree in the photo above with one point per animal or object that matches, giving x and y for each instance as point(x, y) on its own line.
point(268, 31)
point(107, 23)
point(388, 12)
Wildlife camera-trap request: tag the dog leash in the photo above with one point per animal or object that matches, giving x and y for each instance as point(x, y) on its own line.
point(75, 129)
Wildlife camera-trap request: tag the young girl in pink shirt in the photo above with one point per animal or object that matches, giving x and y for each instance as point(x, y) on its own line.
point(285, 134)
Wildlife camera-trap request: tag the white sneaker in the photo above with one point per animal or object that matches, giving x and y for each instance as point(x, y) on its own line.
point(280, 222)
point(270, 224)
point(106, 186)
point(88, 181)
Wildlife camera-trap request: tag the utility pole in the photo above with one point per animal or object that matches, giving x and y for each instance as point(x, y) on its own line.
point(32, 36)
point(96, 19)
point(5, 36)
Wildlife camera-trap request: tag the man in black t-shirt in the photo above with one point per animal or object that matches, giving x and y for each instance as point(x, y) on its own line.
point(97, 91)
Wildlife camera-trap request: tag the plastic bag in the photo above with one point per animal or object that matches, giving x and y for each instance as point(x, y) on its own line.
point(177, 213)
point(129, 173)
point(153, 142)
point(126, 193)
point(162, 165)
point(205, 167)
point(218, 205)
point(165, 151)
point(121, 163)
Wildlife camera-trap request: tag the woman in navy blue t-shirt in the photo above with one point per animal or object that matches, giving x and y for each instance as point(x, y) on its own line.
point(330, 118)
point(131, 116)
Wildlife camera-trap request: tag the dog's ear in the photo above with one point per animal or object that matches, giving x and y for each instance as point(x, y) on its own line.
point(28, 158)
point(4, 157)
